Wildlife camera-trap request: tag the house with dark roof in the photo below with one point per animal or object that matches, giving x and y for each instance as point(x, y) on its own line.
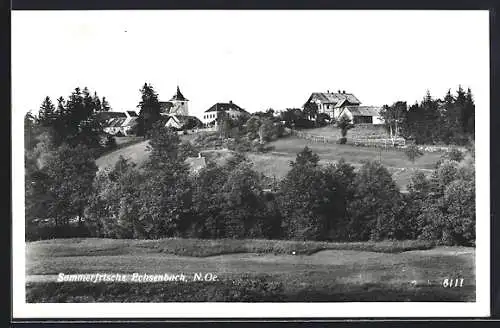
point(331, 103)
point(118, 122)
point(363, 114)
point(232, 110)
point(178, 104)
point(335, 104)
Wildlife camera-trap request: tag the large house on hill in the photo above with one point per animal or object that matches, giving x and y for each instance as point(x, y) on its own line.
point(231, 109)
point(335, 104)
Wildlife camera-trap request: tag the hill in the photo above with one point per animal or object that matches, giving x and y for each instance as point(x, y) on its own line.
point(276, 163)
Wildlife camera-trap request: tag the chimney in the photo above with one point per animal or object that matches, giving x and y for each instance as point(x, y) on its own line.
point(230, 102)
point(343, 91)
point(327, 91)
point(199, 155)
point(338, 91)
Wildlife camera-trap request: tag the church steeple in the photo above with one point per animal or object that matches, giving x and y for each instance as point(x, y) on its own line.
point(178, 96)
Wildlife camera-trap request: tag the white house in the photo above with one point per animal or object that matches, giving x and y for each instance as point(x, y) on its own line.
point(232, 110)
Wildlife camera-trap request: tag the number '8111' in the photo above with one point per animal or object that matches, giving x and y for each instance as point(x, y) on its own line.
point(453, 282)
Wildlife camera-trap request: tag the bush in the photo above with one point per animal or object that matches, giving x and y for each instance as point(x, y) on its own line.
point(342, 141)
point(413, 152)
point(110, 142)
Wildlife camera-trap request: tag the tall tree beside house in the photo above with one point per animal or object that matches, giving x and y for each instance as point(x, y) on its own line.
point(344, 124)
point(224, 124)
point(149, 110)
point(311, 110)
point(394, 117)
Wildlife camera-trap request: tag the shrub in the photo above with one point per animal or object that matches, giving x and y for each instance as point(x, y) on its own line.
point(413, 152)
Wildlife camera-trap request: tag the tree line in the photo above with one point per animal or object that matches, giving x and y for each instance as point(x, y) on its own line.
point(313, 202)
point(433, 121)
point(66, 195)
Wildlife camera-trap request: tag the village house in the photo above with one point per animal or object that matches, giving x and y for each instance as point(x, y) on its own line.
point(335, 104)
point(232, 110)
point(116, 123)
point(182, 122)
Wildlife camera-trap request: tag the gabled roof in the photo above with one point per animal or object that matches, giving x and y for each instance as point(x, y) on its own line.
point(182, 119)
point(131, 122)
point(363, 110)
point(178, 96)
point(116, 122)
point(223, 107)
point(334, 98)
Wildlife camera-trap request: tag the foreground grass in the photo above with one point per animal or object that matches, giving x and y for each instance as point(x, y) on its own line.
point(206, 247)
point(236, 291)
point(250, 270)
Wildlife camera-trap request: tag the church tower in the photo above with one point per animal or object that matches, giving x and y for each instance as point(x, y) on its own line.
point(179, 104)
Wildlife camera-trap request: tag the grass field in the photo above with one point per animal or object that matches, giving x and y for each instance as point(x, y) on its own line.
point(390, 271)
point(276, 162)
point(367, 131)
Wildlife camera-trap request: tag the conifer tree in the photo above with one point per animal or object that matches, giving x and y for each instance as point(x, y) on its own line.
point(105, 105)
point(47, 115)
point(149, 110)
point(97, 102)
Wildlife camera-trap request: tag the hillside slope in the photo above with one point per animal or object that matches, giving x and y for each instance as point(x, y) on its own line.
point(276, 163)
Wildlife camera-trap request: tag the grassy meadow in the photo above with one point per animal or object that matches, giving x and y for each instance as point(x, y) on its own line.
point(261, 269)
point(276, 162)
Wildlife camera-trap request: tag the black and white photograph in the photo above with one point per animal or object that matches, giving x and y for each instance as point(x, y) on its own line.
point(250, 163)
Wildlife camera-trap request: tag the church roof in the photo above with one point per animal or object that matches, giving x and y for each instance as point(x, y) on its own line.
point(178, 96)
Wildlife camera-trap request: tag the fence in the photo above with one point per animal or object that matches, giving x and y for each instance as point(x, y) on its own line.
point(375, 142)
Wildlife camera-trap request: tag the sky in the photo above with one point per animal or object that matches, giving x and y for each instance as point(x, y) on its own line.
point(257, 59)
